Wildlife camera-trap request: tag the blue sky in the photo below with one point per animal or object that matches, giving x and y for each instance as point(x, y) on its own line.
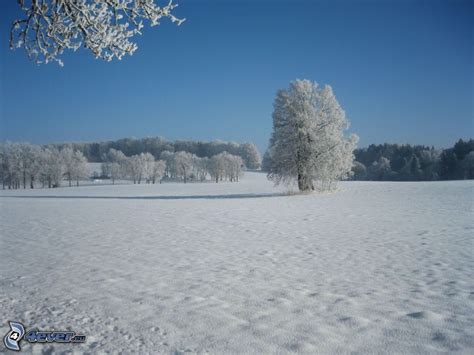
point(402, 70)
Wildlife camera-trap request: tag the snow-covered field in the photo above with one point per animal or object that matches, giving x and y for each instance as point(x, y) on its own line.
point(242, 268)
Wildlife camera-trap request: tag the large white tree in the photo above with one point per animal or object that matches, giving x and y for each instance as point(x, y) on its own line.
point(105, 27)
point(308, 142)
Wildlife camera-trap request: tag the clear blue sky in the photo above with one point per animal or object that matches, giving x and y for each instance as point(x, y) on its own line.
point(402, 70)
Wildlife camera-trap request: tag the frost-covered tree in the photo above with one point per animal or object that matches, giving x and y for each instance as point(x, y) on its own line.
point(415, 168)
point(429, 161)
point(380, 170)
point(217, 167)
point(136, 167)
point(80, 169)
point(11, 165)
point(105, 27)
point(225, 166)
point(25, 161)
point(74, 165)
point(114, 164)
point(202, 168)
point(250, 155)
point(19, 164)
point(157, 171)
point(53, 167)
point(168, 158)
point(67, 157)
point(359, 171)
point(232, 166)
point(148, 166)
point(3, 165)
point(115, 171)
point(183, 162)
point(36, 163)
point(308, 142)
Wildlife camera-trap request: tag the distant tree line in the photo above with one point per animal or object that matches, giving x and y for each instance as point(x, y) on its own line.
point(395, 162)
point(26, 165)
point(95, 151)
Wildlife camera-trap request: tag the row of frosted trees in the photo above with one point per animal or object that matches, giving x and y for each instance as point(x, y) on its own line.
point(95, 151)
point(23, 165)
point(172, 166)
point(26, 165)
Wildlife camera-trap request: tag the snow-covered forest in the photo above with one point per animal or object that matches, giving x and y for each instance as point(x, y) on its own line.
point(397, 162)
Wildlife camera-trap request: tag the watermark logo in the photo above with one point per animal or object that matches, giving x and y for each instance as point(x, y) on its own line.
point(17, 333)
point(13, 337)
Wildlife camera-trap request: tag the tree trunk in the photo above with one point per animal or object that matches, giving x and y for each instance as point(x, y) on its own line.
point(304, 183)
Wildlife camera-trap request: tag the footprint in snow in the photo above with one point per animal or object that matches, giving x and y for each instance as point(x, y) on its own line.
point(417, 315)
point(438, 336)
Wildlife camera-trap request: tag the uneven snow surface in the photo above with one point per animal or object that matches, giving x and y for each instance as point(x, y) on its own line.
point(229, 268)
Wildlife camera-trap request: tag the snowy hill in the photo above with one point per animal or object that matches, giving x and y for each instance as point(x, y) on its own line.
point(242, 267)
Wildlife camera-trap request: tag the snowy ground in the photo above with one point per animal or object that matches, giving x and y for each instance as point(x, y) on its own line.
point(233, 268)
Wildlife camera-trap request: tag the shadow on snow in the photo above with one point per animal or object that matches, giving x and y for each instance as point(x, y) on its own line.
point(171, 197)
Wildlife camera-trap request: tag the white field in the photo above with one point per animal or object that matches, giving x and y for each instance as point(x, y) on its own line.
point(241, 268)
